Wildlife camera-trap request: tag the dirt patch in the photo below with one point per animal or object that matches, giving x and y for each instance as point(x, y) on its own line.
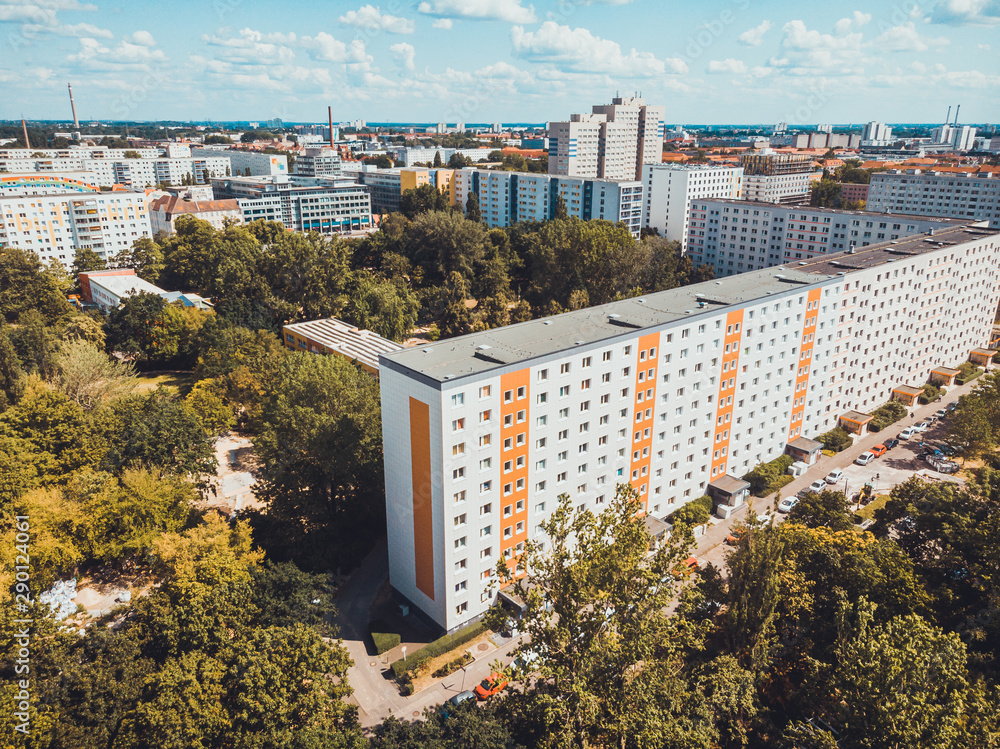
point(232, 488)
point(472, 646)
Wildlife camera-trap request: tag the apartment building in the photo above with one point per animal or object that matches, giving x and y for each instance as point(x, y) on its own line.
point(670, 188)
point(327, 206)
point(734, 236)
point(928, 193)
point(612, 142)
point(55, 226)
point(24, 185)
point(9, 156)
point(258, 164)
point(107, 171)
point(318, 162)
point(776, 177)
point(676, 393)
point(411, 156)
point(852, 193)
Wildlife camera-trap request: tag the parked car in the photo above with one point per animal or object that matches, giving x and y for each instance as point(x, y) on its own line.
point(923, 426)
point(817, 486)
point(952, 406)
point(493, 684)
point(834, 476)
point(891, 443)
point(461, 697)
point(907, 433)
point(879, 450)
point(527, 660)
point(864, 459)
point(737, 533)
point(942, 413)
point(786, 504)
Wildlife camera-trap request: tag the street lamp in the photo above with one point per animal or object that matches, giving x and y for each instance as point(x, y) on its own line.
point(404, 654)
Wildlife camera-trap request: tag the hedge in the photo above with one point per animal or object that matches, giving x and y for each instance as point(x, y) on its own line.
point(384, 639)
point(767, 477)
point(695, 512)
point(886, 414)
point(836, 440)
point(931, 393)
point(432, 650)
point(969, 372)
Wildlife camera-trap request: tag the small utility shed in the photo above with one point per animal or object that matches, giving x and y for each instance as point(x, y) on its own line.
point(944, 376)
point(729, 490)
point(855, 422)
point(804, 450)
point(907, 394)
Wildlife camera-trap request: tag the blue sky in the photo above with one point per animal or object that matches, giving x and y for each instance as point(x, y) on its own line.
point(500, 60)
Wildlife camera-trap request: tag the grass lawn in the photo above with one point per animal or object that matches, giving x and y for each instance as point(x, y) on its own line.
point(868, 511)
point(179, 382)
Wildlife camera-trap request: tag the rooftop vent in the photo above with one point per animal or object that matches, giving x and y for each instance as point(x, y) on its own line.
point(483, 347)
point(850, 250)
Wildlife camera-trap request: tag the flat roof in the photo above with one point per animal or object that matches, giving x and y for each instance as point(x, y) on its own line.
point(857, 417)
point(951, 372)
point(122, 286)
point(521, 343)
point(345, 339)
point(729, 484)
point(805, 444)
point(984, 351)
point(907, 390)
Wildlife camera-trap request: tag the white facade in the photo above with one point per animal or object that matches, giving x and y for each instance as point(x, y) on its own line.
point(877, 131)
point(239, 161)
point(960, 137)
point(668, 393)
point(54, 227)
point(108, 171)
point(951, 195)
point(776, 188)
point(573, 146)
point(670, 188)
point(733, 236)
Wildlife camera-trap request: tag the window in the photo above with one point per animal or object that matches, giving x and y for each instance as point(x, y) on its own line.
point(458, 399)
point(459, 496)
point(564, 391)
point(460, 520)
point(485, 463)
point(460, 542)
point(564, 368)
point(462, 608)
point(486, 531)
point(458, 425)
point(458, 449)
point(461, 587)
point(485, 416)
point(542, 397)
point(508, 396)
point(484, 392)
point(543, 375)
point(485, 440)
point(461, 564)
point(521, 392)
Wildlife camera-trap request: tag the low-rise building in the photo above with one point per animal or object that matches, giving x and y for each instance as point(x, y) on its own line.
point(336, 337)
point(165, 210)
point(245, 163)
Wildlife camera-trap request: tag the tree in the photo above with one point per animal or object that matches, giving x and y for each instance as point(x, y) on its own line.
point(456, 727)
point(320, 446)
point(308, 272)
point(26, 284)
point(422, 199)
point(472, 210)
point(559, 211)
point(86, 328)
point(216, 416)
point(387, 308)
point(610, 661)
point(157, 430)
point(191, 255)
point(145, 257)
point(825, 509)
point(825, 194)
point(437, 160)
point(87, 260)
point(458, 161)
point(137, 328)
point(89, 377)
point(11, 372)
point(444, 243)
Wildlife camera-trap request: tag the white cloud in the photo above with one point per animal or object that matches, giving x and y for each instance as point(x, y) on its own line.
point(809, 49)
point(144, 38)
point(93, 55)
point(729, 65)
point(501, 10)
point(855, 22)
point(76, 29)
point(906, 38)
point(371, 18)
point(251, 47)
point(43, 12)
point(579, 50)
point(329, 49)
point(442, 23)
point(753, 37)
point(406, 54)
point(984, 47)
point(959, 12)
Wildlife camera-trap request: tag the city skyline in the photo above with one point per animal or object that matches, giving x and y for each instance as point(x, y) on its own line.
point(499, 60)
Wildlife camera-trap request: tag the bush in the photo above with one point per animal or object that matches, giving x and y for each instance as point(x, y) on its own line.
point(453, 665)
point(768, 477)
point(695, 512)
point(931, 393)
point(969, 372)
point(886, 414)
point(432, 650)
point(836, 440)
point(384, 639)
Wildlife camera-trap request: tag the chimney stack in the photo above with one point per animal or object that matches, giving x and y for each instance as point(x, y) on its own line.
point(947, 119)
point(72, 104)
point(329, 113)
point(24, 127)
point(957, 110)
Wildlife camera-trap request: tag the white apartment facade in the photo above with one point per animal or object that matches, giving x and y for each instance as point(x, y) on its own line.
point(108, 171)
point(240, 161)
point(574, 146)
point(669, 392)
point(670, 188)
point(733, 236)
point(776, 188)
point(927, 193)
point(54, 227)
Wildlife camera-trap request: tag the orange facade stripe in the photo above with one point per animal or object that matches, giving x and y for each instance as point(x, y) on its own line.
point(804, 367)
point(423, 516)
point(643, 409)
point(727, 389)
point(514, 458)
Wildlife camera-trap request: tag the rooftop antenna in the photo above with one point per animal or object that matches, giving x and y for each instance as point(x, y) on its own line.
point(24, 127)
point(72, 104)
point(948, 118)
point(957, 110)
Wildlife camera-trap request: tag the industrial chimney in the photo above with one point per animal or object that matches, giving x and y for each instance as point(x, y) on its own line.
point(329, 113)
point(72, 104)
point(24, 127)
point(957, 110)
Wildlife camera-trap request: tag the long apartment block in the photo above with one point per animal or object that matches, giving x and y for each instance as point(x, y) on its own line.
point(670, 392)
point(929, 193)
point(736, 236)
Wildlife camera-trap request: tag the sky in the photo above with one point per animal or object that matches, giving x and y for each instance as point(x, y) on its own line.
point(712, 61)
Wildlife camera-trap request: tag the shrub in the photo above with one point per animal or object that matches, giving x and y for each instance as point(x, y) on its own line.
point(886, 414)
point(432, 650)
point(931, 393)
point(969, 372)
point(453, 665)
point(767, 477)
point(836, 440)
point(695, 512)
point(384, 639)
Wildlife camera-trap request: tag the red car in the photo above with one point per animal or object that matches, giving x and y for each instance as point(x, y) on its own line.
point(879, 450)
point(495, 684)
point(688, 567)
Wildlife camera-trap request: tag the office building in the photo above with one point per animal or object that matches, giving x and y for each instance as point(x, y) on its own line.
point(385, 187)
point(958, 137)
point(670, 188)
point(733, 236)
point(409, 156)
point(338, 338)
point(928, 193)
point(327, 206)
point(613, 142)
point(677, 393)
point(825, 140)
point(771, 177)
point(165, 210)
point(54, 226)
point(318, 162)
